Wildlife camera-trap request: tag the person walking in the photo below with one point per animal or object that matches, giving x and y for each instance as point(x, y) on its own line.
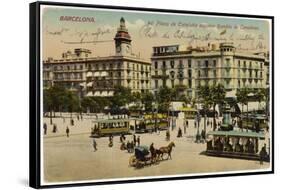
point(55, 128)
point(167, 135)
point(45, 128)
point(67, 131)
point(95, 144)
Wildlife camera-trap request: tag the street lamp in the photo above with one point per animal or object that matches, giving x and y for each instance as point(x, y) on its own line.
point(198, 118)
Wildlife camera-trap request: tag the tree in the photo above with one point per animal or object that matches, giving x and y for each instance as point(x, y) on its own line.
point(260, 95)
point(205, 99)
point(147, 99)
point(72, 102)
point(164, 98)
point(54, 99)
point(217, 95)
point(88, 103)
point(242, 97)
point(121, 97)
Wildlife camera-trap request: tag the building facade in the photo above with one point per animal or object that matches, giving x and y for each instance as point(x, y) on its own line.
point(97, 76)
point(190, 68)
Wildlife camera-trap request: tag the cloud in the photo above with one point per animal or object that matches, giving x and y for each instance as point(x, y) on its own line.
point(135, 25)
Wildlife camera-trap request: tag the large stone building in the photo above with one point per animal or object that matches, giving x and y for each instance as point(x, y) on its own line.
point(97, 76)
point(188, 68)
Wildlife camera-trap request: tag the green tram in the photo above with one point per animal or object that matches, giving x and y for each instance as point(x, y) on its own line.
point(254, 122)
point(236, 144)
point(151, 122)
point(189, 112)
point(106, 127)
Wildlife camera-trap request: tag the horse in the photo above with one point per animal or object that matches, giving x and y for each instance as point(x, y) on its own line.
point(165, 150)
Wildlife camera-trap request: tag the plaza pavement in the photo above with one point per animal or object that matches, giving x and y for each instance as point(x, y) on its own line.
point(74, 159)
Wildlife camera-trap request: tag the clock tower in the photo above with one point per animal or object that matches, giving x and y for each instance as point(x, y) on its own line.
point(123, 40)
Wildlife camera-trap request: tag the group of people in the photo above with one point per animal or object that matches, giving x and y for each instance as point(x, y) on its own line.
point(55, 129)
point(129, 146)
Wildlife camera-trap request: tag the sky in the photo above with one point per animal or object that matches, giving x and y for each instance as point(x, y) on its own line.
point(147, 29)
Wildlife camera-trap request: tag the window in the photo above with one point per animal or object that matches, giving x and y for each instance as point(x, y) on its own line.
point(173, 83)
point(214, 63)
point(172, 63)
point(164, 65)
point(156, 83)
point(189, 63)
point(244, 64)
point(215, 73)
point(206, 63)
point(189, 83)
point(238, 63)
point(189, 73)
point(180, 64)
point(199, 73)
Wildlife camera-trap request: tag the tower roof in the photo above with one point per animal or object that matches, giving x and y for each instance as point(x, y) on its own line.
point(122, 32)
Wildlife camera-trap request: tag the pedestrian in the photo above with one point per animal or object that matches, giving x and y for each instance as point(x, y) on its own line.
point(55, 128)
point(179, 133)
point(167, 135)
point(110, 141)
point(72, 122)
point(67, 131)
point(95, 144)
point(121, 138)
point(263, 154)
point(194, 123)
point(138, 140)
point(45, 128)
point(78, 117)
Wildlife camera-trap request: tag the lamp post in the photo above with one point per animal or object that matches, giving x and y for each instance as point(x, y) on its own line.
point(198, 124)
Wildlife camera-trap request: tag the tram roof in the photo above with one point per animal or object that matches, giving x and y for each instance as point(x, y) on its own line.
point(237, 134)
point(116, 120)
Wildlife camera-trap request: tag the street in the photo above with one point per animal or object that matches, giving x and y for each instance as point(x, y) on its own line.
point(74, 158)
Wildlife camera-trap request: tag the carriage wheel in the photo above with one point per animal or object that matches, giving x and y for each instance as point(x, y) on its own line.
point(133, 161)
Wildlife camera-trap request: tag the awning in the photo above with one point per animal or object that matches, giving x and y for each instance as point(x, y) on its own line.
point(104, 93)
point(89, 94)
point(103, 74)
point(90, 84)
point(97, 93)
point(252, 106)
point(97, 74)
point(89, 74)
point(236, 134)
point(82, 84)
point(110, 93)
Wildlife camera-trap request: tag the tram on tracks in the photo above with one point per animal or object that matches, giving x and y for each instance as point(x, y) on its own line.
point(237, 144)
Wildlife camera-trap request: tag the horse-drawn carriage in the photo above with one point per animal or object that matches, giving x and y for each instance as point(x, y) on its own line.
point(143, 156)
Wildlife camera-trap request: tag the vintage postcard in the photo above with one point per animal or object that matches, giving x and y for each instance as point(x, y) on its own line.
point(146, 94)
